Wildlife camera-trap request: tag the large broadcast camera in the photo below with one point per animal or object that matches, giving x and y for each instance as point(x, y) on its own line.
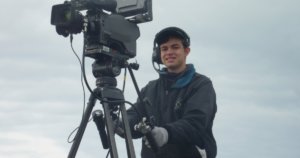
point(110, 32)
point(108, 24)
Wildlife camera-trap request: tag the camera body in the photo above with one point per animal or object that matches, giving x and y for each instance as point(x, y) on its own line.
point(109, 26)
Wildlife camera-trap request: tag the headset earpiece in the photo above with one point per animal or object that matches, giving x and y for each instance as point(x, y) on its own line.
point(156, 55)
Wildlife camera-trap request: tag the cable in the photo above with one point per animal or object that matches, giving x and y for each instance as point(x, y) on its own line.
point(82, 85)
point(83, 70)
point(108, 152)
point(124, 81)
point(84, 74)
point(81, 73)
point(69, 137)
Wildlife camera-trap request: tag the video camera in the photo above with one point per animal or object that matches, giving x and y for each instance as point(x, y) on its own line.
point(109, 26)
point(110, 32)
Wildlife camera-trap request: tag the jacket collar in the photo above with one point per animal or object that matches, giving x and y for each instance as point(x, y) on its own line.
point(181, 79)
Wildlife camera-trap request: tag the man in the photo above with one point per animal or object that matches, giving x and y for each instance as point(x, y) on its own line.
point(183, 103)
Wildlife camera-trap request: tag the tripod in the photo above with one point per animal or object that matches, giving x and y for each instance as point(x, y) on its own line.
point(110, 96)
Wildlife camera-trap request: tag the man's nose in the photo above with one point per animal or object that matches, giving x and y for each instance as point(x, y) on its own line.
point(169, 51)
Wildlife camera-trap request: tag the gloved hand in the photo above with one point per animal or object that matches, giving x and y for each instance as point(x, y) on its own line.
point(160, 136)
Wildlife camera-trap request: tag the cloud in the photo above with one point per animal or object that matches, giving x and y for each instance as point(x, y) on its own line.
point(23, 145)
point(263, 129)
point(248, 49)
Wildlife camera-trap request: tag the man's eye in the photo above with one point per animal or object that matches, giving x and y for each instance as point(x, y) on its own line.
point(164, 49)
point(176, 47)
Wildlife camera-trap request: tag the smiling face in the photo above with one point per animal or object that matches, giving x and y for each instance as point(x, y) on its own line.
point(173, 55)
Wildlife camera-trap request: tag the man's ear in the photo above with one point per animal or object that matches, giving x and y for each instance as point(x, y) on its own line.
point(187, 51)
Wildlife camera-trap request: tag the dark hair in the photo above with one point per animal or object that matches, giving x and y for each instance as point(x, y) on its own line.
point(164, 35)
point(166, 38)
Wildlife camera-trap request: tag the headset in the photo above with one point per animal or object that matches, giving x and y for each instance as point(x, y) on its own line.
point(163, 35)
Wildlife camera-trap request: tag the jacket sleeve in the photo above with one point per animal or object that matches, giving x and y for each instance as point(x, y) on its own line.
point(195, 125)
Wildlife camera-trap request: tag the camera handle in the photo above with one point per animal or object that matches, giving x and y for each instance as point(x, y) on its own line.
point(108, 95)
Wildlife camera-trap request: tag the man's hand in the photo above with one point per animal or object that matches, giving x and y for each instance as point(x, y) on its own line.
point(160, 136)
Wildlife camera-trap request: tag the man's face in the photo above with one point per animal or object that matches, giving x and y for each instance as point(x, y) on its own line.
point(173, 55)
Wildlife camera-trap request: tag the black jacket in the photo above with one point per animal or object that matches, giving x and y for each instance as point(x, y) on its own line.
point(185, 105)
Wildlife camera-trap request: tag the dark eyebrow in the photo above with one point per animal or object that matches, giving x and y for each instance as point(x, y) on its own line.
point(175, 44)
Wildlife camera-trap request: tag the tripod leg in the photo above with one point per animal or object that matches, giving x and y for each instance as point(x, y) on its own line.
point(110, 130)
point(83, 124)
point(116, 94)
point(128, 138)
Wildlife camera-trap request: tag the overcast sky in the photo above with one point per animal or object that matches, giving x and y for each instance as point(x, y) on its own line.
point(250, 50)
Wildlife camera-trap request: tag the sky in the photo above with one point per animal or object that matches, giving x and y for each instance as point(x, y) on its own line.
point(249, 49)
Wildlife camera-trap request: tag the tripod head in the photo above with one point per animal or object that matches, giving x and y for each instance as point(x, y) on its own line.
point(105, 70)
